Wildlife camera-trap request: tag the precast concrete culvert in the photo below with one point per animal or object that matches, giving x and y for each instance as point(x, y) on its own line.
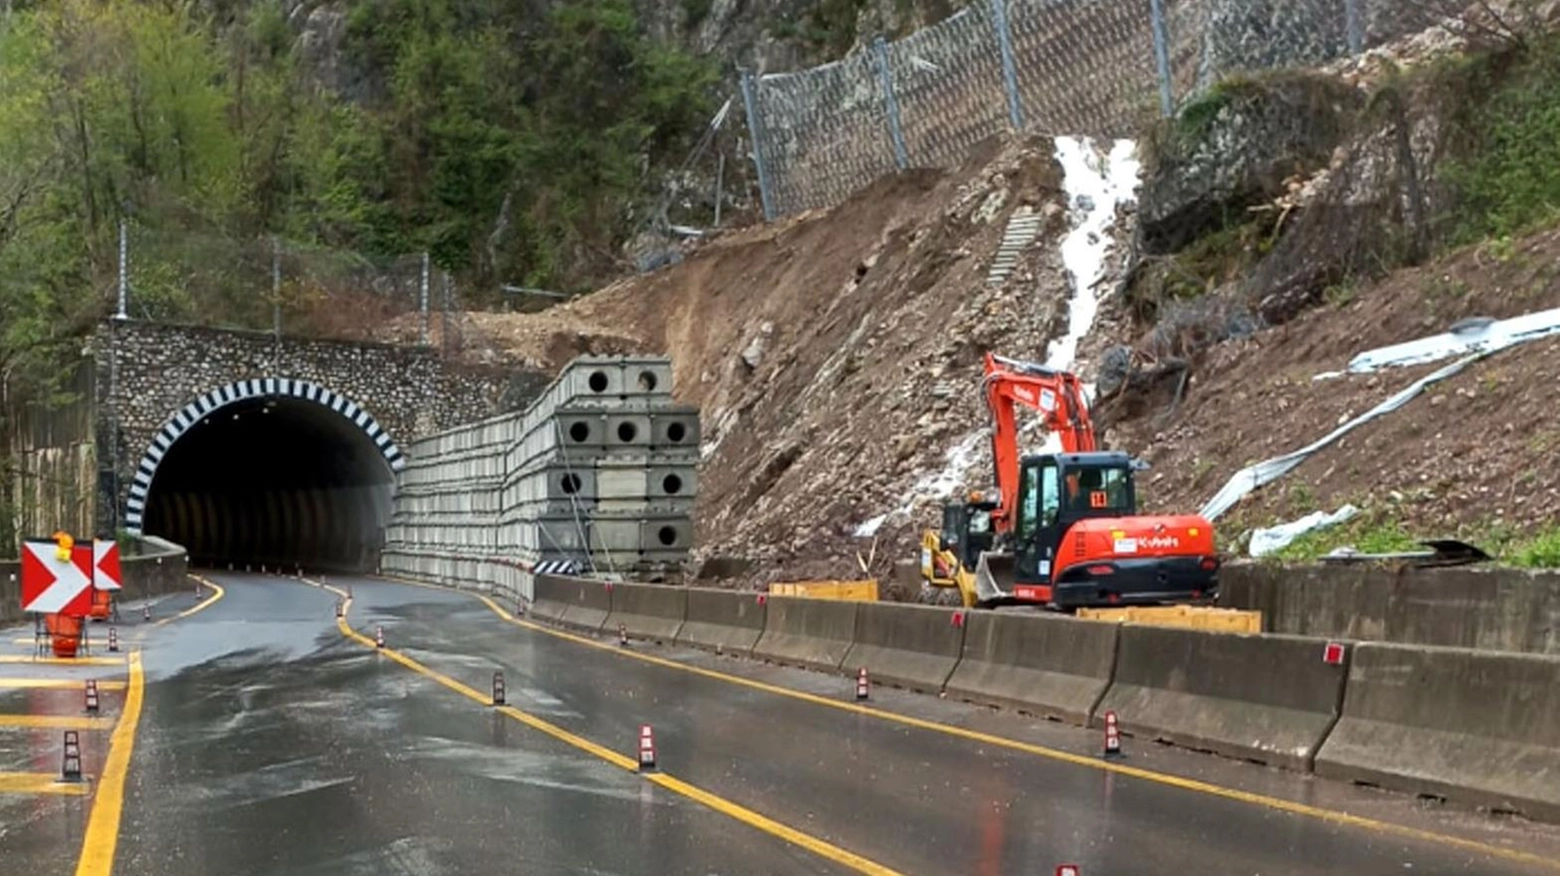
point(273, 480)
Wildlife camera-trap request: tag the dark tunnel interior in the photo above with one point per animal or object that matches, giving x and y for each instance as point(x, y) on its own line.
point(275, 480)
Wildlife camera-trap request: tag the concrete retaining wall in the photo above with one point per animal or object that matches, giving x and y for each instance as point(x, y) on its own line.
point(1491, 609)
point(915, 646)
point(1266, 698)
point(722, 620)
point(816, 633)
point(1051, 666)
point(1472, 726)
point(648, 611)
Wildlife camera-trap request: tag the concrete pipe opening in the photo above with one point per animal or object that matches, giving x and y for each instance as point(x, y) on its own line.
point(275, 480)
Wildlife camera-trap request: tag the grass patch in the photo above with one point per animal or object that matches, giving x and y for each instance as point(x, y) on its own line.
point(1509, 180)
point(1541, 552)
point(1366, 533)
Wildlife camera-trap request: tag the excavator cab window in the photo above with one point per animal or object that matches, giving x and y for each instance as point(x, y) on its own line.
point(1099, 491)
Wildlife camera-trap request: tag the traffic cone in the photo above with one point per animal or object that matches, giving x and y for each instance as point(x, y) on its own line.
point(863, 687)
point(113, 639)
point(622, 635)
point(646, 749)
point(197, 588)
point(340, 611)
point(146, 611)
point(70, 765)
point(379, 637)
point(1112, 736)
point(92, 696)
point(498, 688)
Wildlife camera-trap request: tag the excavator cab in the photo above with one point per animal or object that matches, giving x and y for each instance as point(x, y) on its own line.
point(1078, 540)
point(968, 529)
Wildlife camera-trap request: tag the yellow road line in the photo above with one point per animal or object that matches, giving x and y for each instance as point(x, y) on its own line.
point(1261, 800)
point(97, 847)
point(198, 607)
point(40, 783)
point(56, 722)
point(63, 661)
point(77, 683)
point(820, 847)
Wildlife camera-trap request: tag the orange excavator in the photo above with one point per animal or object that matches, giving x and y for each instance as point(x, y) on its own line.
point(1063, 531)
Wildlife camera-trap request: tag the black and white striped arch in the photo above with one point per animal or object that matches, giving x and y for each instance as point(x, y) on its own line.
point(195, 411)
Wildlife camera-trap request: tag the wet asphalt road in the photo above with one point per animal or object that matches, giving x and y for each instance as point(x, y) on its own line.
point(271, 744)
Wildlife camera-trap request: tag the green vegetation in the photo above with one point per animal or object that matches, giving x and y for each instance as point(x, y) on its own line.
point(1509, 179)
point(1382, 532)
point(513, 147)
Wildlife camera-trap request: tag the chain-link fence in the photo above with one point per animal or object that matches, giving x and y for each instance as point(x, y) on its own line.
point(275, 285)
point(1097, 68)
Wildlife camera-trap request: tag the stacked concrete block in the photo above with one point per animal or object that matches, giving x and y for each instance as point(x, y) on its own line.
point(598, 474)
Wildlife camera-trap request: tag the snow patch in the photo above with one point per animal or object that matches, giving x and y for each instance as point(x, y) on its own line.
point(1096, 185)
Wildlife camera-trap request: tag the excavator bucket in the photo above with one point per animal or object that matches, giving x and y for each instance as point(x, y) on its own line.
point(994, 576)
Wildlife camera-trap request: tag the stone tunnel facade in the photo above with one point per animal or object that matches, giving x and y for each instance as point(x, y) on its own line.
point(310, 432)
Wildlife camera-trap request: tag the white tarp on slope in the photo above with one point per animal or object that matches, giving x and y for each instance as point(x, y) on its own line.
point(1276, 538)
point(1251, 477)
point(1470, 337)
point(1477, 341)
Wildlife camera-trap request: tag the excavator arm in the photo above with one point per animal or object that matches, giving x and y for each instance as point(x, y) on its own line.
point(1056, 395)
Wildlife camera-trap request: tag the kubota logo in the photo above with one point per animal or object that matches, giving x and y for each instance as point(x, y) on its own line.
point(1159, 541)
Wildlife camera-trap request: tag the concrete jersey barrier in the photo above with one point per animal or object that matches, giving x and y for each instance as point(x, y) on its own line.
point(1051, 666)
point(1474, 726)
point(1266, 698)
point(648, 611)
point(815, 633)
point(552, 597)
point(915, 646)
point(1489, 609)
point(723, 620)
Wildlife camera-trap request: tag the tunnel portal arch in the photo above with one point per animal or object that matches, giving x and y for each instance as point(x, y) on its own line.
point(239, 392)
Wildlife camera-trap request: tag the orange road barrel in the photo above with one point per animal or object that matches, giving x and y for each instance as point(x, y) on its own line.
point(102, 604)
point(66, 633)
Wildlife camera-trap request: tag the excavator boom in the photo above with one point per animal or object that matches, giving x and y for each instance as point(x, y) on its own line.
point(1056, 395)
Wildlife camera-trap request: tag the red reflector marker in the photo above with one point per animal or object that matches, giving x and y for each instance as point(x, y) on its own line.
point(1332, 653)
point(1068, 870)
point(1100, 570)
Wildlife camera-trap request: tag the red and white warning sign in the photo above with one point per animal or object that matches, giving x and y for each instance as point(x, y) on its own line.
point(105, 565)
point(51, 585)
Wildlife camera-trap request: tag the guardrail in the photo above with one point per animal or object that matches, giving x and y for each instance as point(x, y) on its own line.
point(1475, 726)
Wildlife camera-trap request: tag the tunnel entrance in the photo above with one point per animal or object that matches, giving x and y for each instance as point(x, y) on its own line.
point(276, 480)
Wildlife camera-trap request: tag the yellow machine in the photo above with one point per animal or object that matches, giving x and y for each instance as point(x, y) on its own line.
point(949, 557)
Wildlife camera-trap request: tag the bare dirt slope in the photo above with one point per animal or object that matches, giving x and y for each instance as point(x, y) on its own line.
point(835, 358)
point(1468, 456)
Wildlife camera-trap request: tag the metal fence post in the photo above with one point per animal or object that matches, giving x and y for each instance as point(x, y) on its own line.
point(1009, 68)
point(1162, 57)
point(1354, 24)
point(756, 134)
point(890, 103)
